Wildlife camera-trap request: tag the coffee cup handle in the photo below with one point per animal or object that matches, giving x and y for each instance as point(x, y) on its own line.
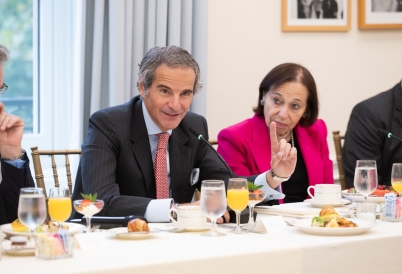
point(173, 209)
point(309, 193)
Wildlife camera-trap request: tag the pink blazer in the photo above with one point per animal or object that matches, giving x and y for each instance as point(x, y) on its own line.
point(246, 147)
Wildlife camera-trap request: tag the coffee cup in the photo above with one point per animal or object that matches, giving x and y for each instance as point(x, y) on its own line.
point(325, 193)
point(364, 211)
point(188, 217)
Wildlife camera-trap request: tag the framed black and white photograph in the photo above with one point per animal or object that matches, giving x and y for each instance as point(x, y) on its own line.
point(316, 15)
point(380, 14)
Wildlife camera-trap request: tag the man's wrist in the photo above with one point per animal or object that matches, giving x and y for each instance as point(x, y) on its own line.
point(14, 158)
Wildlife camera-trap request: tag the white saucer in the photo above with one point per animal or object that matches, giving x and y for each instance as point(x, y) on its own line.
point(122, 233)
point(196, 229)
point(342, 202)
point(20, 252)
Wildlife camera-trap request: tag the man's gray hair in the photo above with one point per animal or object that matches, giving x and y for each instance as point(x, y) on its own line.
point(171, 56)
point(4, 54)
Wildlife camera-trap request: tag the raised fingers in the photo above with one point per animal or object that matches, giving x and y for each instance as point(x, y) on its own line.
point(272, 134)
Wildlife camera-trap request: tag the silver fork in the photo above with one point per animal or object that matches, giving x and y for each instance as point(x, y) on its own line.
point(95, 228)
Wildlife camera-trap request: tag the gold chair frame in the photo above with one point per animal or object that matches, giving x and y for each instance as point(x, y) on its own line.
point(338, 149)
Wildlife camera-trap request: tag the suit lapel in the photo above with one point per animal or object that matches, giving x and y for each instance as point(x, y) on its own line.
point(309, 152)
point(141, 148)
point(260, 145)
point(398, 103)
point(179, 159)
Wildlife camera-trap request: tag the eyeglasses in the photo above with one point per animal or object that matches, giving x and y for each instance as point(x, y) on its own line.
point(3, 89)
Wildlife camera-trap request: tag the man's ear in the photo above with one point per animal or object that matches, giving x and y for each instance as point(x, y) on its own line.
point(141, 87)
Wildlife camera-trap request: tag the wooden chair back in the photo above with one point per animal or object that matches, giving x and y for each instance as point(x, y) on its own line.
point(338, 149)
point(39, 177)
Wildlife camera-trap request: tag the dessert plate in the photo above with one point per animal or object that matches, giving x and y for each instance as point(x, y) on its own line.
point(122, 233)
point(357, 197)
point(305, 226)
point(29, 251)
point(72, 228)
point(342, 202)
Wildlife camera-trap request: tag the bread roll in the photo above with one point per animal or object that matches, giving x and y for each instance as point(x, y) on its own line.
point(136, 225)
point(328, 213)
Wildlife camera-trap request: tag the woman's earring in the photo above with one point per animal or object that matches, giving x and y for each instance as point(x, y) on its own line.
point(304, 115)
point(262, 102)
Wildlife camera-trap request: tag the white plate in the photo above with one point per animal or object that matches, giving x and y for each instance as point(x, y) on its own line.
point(19, 252)
point(305, 226)
point(72, 228)
point(341, 203)
point(196, 229)
point(357, 197)
point(122, 233)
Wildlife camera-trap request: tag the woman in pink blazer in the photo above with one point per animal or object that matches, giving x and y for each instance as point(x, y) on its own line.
point(288, 97)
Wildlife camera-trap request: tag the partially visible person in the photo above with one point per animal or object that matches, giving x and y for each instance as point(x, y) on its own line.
point(384, 5)
point(330, 9)
point(317, 4)
point(287, 97)
point(362, 141)
point(139, 156)
point(15, 170)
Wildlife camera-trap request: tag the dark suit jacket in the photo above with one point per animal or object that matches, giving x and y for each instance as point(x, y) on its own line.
point(362, 142)
point(13, 179)
point(117, 163)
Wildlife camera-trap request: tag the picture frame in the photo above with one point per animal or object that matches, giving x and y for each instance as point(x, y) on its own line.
point(315, 15)
point(372, 15)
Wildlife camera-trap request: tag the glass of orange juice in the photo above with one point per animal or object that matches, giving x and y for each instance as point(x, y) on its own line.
point(59, 205)
point(396, 177)
point(237, 195)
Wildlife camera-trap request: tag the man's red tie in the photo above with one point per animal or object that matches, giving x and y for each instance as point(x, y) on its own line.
point(160, 167)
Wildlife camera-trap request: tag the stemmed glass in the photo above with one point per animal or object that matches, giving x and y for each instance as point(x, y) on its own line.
point(237, 196)
point(88, 209)
point(366, 180)
point(255, 197)
point(31, 208)
point(396, 177)
point(59, 205)
point(213, 203)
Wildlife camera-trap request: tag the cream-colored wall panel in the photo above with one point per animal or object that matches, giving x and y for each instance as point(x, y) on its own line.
point(245, 42)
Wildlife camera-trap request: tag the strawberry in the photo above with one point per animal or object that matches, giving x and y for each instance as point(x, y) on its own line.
point(252, 187)
point(88, 199)
point(257, 192)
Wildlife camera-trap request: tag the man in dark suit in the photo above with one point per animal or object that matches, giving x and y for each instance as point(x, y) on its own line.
point(362, 142)
point(119, 151)
point(15, 171)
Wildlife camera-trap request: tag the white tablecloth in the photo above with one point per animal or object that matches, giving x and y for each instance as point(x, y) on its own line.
point(288, 251)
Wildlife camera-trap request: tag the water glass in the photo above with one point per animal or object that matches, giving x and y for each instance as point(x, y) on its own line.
point(213, 203)
point(32, 207)
point(365, 181)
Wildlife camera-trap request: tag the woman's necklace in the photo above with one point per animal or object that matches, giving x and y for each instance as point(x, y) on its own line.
point(284, 136)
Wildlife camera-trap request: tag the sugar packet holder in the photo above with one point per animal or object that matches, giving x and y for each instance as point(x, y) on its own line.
point(54, 245)
point(392, 209)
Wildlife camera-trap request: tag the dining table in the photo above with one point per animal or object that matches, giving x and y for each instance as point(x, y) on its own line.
point(288, 250)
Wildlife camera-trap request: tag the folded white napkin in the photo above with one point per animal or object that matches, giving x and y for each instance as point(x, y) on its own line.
point(289, 210)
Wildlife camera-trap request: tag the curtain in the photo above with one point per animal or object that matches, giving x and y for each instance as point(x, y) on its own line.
point(112, 37)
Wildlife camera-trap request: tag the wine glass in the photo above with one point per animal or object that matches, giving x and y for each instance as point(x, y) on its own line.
point(88, 209)
point(255, 197)
point(396, 177)
point(237, 196)
point(366, 180)
point(213, 203)
point(59, 205)
point(31, 208)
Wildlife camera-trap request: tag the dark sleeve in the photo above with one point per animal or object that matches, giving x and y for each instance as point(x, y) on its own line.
point(13, 179)
point(361, 141)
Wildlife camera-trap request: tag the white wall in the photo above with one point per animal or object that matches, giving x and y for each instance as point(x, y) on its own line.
point(245, 42)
